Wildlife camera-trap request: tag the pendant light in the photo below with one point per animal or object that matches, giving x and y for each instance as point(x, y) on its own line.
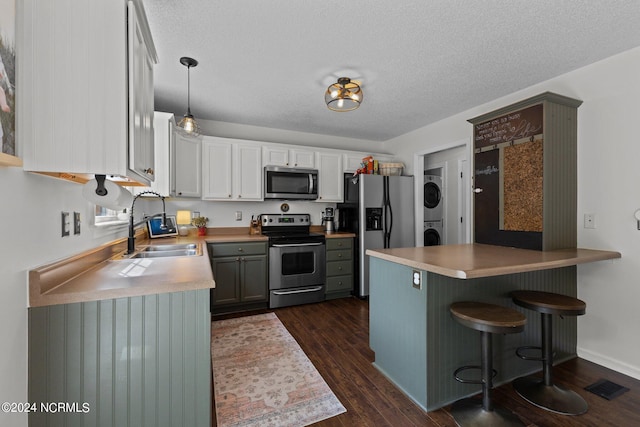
point(345, 95)
point(188, 123)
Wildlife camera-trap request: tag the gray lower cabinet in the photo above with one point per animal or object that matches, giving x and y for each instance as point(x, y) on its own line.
point(339, 267)
point(128, 362)
point(240, 271)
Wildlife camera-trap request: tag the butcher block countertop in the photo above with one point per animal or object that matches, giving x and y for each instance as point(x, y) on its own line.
point(468, 261)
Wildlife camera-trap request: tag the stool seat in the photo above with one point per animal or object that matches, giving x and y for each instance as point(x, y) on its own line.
point(488, 319)
point(550, 303)
point(542, 392)
point(491, 318)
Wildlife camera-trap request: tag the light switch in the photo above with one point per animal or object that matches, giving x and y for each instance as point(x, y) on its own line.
point(76, 223)
point(65, 223)
point(589, 220)
point(238, 215)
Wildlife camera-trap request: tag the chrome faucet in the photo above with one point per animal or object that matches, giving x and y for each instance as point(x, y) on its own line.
point(131, 240)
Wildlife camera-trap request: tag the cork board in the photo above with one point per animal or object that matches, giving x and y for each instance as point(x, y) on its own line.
point(522, 180)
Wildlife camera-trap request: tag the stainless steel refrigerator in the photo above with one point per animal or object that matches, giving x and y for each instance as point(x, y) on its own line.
point(384, 209)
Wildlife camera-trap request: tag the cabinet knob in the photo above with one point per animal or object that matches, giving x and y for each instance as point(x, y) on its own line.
point(229, 195)
point(239, 196)
point(237, 259)
point(340, 268)
point(339, 244)
point(339, 255)
point(240, 249)
point(242, 259)
point(295, 164)
point(340, 282)
point(179, 193)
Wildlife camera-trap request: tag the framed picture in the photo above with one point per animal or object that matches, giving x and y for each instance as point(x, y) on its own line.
point(154, 227)
point(7, 76)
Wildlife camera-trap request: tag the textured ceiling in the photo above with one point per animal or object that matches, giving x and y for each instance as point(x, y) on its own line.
point(268, 62)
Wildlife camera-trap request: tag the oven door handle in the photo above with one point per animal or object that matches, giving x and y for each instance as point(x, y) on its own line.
point(298, 291)
point(294, 245)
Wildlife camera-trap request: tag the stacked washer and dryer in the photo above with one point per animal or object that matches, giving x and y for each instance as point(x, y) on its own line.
point(433, 210)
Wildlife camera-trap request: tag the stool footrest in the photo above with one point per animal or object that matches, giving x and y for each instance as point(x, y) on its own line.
point(468, 367)
point(521, 355)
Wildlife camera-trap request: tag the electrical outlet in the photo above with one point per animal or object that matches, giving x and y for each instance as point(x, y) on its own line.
point(417, 279)
point(76, 223)
point(65, 223)
point(238, 215)
point(589, 220)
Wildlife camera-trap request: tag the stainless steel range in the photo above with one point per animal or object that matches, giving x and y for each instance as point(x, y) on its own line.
point(296, 260)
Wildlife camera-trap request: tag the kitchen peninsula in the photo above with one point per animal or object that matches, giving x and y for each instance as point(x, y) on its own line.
point(127, 335)
point(416, 343)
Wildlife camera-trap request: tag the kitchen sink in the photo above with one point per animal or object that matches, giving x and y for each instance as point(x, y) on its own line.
point(176, 250)
point(174, 247)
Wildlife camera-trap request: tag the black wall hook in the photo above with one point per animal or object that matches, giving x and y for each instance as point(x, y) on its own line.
point(100, 189)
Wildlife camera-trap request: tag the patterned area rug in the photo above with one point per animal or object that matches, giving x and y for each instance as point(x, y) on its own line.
point(263, 378)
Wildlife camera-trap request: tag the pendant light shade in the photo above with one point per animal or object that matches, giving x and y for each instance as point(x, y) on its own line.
point(188, 123)
point(344, 95)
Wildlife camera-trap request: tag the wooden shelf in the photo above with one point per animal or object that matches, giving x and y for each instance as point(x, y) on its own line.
point(9, 160)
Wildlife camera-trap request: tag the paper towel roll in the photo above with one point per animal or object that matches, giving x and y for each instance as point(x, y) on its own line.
point(116, 198)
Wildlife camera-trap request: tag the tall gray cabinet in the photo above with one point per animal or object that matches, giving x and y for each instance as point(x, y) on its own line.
point(525, 174)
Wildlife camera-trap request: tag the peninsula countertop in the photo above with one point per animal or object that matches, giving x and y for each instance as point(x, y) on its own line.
point(467, 261)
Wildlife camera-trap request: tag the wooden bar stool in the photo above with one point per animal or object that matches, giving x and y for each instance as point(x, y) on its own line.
point(488, 319)
point(541, 391)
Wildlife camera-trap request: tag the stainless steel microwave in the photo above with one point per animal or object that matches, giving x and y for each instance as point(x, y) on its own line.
point(290, 183)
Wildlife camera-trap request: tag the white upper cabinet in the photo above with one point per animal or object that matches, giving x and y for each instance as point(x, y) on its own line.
point(86, 103)
point(141, 158)
point(248, 172)
point(216, 169)
point(163, 124)
point(330, 176)
point(293, 158)
point(186, 165)
point(232, 169)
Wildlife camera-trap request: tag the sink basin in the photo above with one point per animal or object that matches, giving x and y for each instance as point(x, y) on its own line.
point(175, 250)
point(167, 253)
point(174, 247)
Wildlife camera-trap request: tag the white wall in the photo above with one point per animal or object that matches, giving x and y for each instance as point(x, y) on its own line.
point(258, 133)
point(608, 177)
point(222, 214)
point(31, 236)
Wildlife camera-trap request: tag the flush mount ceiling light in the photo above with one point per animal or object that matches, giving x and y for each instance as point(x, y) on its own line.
point(188, 123)
point(345, 95)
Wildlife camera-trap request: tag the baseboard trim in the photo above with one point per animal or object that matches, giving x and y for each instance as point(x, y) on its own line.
point(608, 362)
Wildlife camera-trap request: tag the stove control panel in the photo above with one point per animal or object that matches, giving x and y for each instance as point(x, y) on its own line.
point(285, 219)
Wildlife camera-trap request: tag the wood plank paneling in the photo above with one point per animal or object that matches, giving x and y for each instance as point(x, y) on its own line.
point(140, 361)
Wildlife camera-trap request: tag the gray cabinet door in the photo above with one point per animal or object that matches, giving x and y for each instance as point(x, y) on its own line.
point(254, 278)
point(226, 272)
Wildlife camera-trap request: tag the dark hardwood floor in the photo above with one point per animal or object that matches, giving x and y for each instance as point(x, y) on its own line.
point(335, 337)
